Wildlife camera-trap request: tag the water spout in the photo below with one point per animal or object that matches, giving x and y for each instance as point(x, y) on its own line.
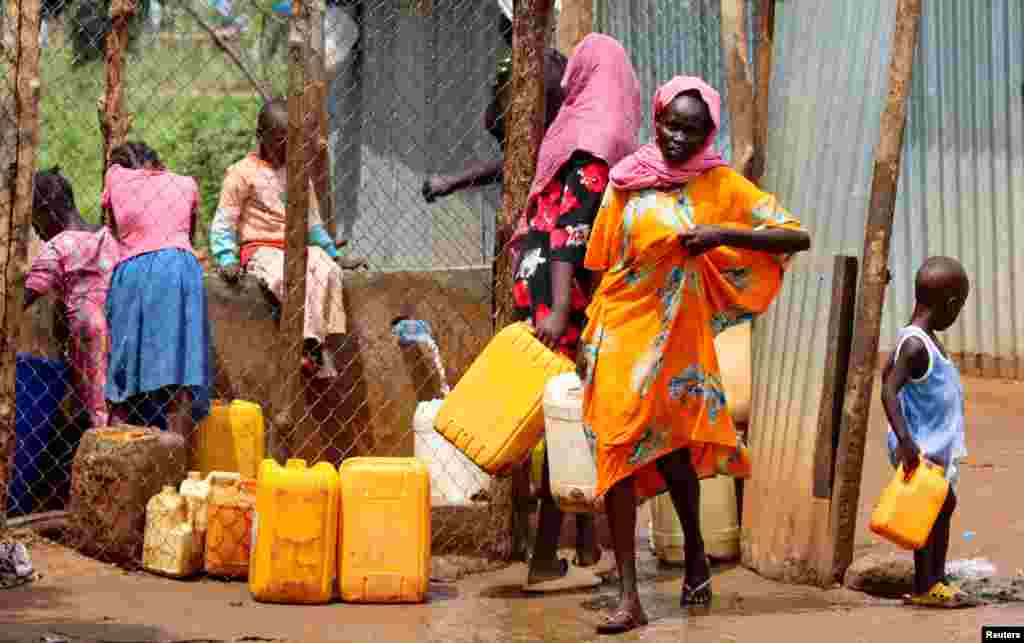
point(412, 332)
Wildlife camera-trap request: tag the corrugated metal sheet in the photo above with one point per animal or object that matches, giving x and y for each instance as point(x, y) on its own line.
point(961, 185)
point(666, 38)
point(962, 182)
point(828, 84)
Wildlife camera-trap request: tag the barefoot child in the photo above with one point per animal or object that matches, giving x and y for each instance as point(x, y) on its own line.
point(159, 329)
point(248, 231)
point(76, 262)
point(924, 401)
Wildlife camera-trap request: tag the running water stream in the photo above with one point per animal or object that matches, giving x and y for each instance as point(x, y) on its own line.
point(415, 331)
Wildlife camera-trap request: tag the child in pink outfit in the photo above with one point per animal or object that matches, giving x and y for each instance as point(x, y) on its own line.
point(156, 308)
point(76, 262)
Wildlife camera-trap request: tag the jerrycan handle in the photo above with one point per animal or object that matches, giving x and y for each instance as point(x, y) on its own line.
point(922, 462)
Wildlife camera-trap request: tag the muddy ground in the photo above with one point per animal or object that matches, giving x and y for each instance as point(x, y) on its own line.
point(80, 600)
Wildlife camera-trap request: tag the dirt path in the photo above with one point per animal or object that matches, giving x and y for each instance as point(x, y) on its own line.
point(81, 600)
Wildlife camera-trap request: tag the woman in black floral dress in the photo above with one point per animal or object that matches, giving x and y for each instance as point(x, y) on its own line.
point(552, 250)
point(595, 128)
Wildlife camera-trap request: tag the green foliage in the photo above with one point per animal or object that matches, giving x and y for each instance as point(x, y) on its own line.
point(195, 133)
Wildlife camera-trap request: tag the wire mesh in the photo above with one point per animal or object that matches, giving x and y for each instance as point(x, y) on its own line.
point(170, 264)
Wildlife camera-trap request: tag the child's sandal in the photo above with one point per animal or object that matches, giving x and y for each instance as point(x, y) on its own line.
point(941, 596)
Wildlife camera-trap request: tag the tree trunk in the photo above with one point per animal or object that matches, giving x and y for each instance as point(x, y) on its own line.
point(292, 422)
point(525, 130)
point(871, 287)
point(763, 67)
point(114, 122)
point(19, 135)
point(575, 21)
point(741, 88)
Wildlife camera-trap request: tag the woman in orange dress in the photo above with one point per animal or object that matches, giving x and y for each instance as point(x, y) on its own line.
point(685, 247)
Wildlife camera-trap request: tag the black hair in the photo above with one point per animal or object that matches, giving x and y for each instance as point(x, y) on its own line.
point(52, 191)
point(134, 155)
point(273, 115)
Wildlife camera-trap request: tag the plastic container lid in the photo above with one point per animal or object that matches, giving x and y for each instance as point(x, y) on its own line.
point(295, 463)
point(195, 475)
point(563, 397)
point(169, 489)
point(423, 420)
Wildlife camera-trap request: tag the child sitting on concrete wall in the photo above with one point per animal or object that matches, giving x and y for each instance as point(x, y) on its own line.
point(248, 231)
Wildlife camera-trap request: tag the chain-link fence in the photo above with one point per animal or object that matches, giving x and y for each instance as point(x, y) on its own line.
point(398, 282)
point(397, 135)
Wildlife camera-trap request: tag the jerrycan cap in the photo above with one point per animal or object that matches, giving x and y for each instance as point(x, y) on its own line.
point(195, 475)
point(168, 489)
point(295, 463)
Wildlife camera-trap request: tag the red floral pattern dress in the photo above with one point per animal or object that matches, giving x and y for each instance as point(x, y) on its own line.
point(557, 228)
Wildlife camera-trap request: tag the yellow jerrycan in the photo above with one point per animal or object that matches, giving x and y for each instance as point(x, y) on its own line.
point(384, 547)
point(231, 438)
point(295, 533)
point(909, 505)
point(494, 414)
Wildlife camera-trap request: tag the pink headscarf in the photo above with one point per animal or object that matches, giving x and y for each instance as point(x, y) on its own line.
point(647, 168)
point(600, 113)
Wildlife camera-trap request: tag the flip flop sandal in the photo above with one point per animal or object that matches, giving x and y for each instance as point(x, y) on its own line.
point(572, 578)
point(699, 595)
point(603, 567)
point(620, 622)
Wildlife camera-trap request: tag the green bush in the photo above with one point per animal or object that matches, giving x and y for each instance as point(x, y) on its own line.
point(196, 135)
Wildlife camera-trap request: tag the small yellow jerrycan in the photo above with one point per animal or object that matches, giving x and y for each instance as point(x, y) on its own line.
point(231, 438)
point(909, 505)
point(295, 533)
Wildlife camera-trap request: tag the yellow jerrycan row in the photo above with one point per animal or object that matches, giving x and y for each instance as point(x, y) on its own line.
point(384, 544)
point(909, 505)
point(494, 414)
point(295, 533)
point(231, 438)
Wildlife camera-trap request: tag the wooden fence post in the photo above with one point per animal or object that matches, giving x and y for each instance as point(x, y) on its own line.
point(524, 125)
point(575, 22)
point(114, 122)
point(741, 88)
point(19, 136)
point(316, 101)
point(871, 287)
point(763, 68)
point(292, 415)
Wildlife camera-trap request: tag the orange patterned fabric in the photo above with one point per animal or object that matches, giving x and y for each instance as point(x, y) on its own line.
point(652, 384)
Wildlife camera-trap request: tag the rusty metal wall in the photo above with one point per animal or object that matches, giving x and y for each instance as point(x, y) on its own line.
point(962, 181)
point(960, 192)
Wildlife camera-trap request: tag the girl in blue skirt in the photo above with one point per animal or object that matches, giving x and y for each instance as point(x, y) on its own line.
point(160, 332)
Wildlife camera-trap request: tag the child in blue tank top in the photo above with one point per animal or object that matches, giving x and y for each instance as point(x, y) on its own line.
point(924, 401)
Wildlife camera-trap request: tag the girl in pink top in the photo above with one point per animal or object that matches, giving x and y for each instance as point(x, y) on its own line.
point(160, 334)
point(76, 262)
